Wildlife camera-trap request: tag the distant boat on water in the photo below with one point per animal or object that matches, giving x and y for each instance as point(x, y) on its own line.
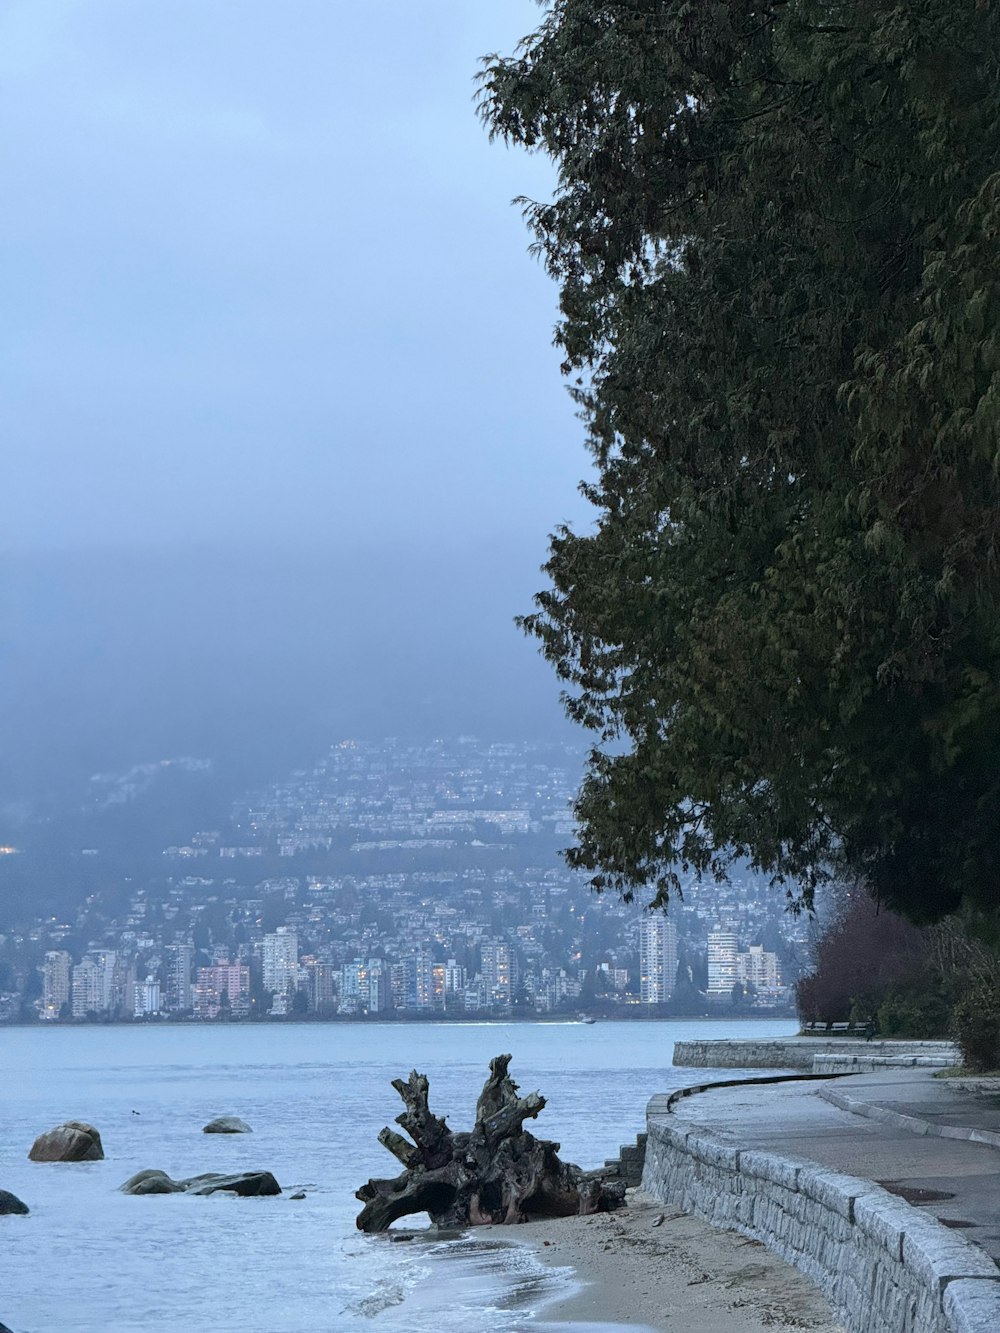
point(586, 1018)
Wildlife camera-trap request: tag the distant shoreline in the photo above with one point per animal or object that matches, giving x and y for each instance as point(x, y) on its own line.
point(382, 1020)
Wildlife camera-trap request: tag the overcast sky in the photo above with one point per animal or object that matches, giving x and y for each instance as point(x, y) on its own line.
point(262, 279)
point(269, 314)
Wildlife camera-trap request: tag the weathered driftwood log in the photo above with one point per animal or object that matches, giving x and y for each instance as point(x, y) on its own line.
point(497, 1173)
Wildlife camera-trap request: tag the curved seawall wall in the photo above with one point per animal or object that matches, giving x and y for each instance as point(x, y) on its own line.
point(884, 1267)
point(800, 1052)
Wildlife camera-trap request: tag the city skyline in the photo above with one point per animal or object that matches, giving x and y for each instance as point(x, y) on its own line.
point(396, 878)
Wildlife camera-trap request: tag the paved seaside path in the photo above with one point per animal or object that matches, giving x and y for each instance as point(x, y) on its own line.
point(934, 1144)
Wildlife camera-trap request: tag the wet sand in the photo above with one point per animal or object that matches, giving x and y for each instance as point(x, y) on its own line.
point(679, 1275)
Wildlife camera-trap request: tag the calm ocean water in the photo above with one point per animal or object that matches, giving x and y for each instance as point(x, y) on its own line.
point(91, 1260)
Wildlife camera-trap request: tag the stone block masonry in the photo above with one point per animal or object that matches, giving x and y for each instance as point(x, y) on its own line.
point(883, 1266)
point(629, 1163)
point(802, 1053)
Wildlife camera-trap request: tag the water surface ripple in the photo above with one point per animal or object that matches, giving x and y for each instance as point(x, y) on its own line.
point(91, 1260)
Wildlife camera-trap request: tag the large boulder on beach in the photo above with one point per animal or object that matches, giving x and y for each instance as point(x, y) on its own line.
point(72, 1141)
point(11, 1204)
point(247, 1184)
point(227, 1124)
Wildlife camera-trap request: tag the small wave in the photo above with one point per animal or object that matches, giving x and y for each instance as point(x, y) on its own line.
point(383, 1298)
point(492, 1282)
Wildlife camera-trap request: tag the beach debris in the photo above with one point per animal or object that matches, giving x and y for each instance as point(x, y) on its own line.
point(11, 1205)
point(498, 1173)
point(72, 1141)
point(660, 1220)
point(227, 1124)
point(246, 1184)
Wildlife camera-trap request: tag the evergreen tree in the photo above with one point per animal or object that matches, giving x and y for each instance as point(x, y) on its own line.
point(775, 236)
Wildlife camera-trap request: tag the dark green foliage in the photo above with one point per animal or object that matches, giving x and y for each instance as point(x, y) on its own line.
point(775, 234)
point(976, 1026)
point(920, 1012)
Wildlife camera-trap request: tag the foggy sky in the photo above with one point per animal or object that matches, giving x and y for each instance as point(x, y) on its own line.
point(283, 429)
point(262, 279)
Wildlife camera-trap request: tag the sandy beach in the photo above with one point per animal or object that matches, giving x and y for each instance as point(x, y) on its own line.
point(676, 1274)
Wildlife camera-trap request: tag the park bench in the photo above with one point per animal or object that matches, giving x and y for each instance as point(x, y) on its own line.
point(835, 1029)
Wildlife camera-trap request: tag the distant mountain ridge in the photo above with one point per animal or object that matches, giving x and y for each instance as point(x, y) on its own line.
point(250, 663)
point(254, 658)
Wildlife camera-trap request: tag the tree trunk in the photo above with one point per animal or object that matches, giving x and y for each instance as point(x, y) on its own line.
point(497, 1173)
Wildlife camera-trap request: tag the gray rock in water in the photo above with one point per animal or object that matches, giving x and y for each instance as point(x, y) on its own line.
point(247, 1184)
point(9, 1205)
point(227, 1124)
point(72, 1141)
point(151, 1182)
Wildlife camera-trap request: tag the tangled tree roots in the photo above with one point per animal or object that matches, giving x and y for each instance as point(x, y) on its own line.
point(497, 1173)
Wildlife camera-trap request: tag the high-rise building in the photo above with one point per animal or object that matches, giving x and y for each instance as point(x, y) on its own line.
point(281, 961)
point(723, 947)
point(759, 969)
point(94, 983)
point(323, 988)
point(615, 978)
point(657, 959)
point(365, 987)
point(379, 987)
point(498, 973)
point(223, 987)
point(454, 979)
point(353, 979)
point(419, 980)
point(57, 983)
point(449, 983)
point(179, 966)
point(553, 989)
point(397, 986)
point(88, 982)
point(123, 986)
point(147, 998)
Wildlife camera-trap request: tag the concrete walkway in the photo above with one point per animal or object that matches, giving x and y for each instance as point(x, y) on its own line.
point(966, 1109)
point(910, 1132)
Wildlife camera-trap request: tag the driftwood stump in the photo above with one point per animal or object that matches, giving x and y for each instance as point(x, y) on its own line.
point(497, 1173)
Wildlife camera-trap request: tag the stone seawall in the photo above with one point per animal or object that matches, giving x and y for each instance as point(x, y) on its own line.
point(800, 1052)
point(869, 1062)
point(884, 1267)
